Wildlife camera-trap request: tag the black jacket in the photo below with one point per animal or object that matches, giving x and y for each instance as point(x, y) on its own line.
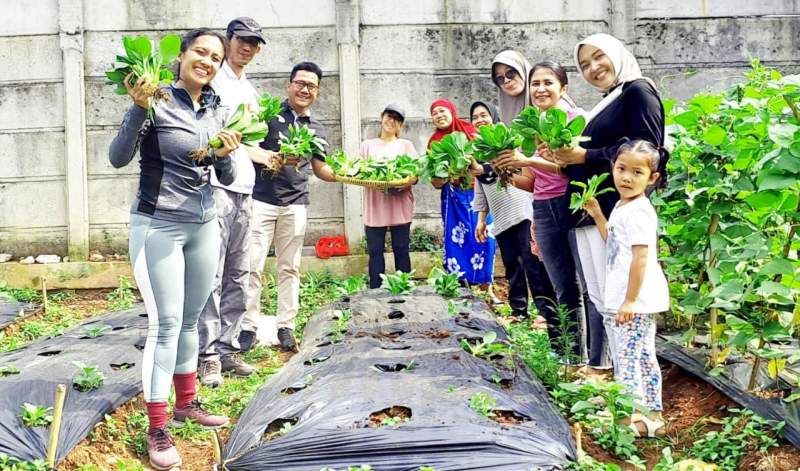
point(637, 114)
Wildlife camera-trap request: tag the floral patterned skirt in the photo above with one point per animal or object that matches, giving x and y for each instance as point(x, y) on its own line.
point(462, 253)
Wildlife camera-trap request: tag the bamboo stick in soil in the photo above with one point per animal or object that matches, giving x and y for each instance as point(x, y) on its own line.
point(55, 427)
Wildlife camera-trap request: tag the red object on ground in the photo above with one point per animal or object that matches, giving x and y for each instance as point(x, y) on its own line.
point(328, 247)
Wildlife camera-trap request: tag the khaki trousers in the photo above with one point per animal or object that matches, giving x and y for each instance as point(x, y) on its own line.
point(284, 226)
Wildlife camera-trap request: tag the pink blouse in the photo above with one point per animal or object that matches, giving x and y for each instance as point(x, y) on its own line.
point(391, 207)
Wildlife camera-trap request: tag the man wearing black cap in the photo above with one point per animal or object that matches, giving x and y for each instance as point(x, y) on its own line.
point(220, 322)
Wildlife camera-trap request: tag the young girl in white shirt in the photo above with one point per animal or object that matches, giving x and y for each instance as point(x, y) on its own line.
point(636, 289)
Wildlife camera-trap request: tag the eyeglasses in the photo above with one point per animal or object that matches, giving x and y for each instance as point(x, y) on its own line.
point(510, 74)
point(301, 85)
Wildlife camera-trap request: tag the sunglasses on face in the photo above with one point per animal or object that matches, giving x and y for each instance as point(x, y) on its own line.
point(510, 74)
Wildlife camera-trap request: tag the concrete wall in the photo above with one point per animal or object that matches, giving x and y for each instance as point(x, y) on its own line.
point(410, 53)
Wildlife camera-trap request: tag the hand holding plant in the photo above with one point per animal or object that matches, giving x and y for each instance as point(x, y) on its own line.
point(590, 191)
point(592, 207)
point(141, 70)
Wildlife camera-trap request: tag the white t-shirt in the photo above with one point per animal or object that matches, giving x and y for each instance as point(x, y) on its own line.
point(232, 92)
point(634, 223)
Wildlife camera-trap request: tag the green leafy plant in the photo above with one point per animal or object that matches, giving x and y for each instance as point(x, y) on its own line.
point(302, 141)
point(584, 401)
point(487, 346)
point(740, 432)
point(143, 62)
point(400, 167)
point(88, 378)
point(121, 298)
point(491, 139)
point(34, 415)
point(483, 404)
point(9, 370)
point(13, 464)
point(339, 325)
point(398, 282)
point(393, 421)
point(448, 159)
point(732, 213)
point(269, 108)
point(351, 285)
point(244, 121)
point(550, 127)
point(423, 240)
point(590, 191)
point(94, 331)
point(23, 295)
point(445, 284)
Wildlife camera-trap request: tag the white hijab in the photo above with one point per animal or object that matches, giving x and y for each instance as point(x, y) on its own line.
point(511, 106)
point(625, 66)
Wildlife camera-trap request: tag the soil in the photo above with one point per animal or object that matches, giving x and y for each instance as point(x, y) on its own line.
point(105, 450)
point(690, 409)
point(86, 303)
point(395, 412)
point(436, 334)
point(506, 417)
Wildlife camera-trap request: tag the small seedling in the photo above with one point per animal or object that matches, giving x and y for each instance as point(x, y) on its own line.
point(34, 415)
point(88, 378)
point(486, 347)
point(483, 404)
point(9, 370)
point(393, 421)
point(445, 284)
point(309, 379)
point(94, 331)
point(451, 308)
point(122, 297)
point(451, 389)
point(398, 283)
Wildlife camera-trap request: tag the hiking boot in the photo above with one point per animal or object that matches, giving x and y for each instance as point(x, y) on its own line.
point(161, 449)
point(286, 339)
point(210, 373)
point(235, 365)
point(247, 340)
point(195, 412)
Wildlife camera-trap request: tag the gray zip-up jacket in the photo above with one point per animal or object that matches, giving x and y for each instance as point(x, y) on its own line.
point(173, 187)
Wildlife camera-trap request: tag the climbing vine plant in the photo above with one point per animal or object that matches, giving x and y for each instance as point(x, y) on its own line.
point(731, 215)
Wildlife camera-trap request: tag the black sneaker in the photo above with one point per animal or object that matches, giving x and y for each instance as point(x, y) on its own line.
point(286, 339)
point(247, 340)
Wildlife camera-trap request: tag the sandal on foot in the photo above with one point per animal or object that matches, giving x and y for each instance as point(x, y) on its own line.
point(653, 426)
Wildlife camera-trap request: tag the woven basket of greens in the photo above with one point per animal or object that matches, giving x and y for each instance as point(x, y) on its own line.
point(374, 172)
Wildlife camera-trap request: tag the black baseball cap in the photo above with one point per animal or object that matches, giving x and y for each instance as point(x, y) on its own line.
point(396, 110)
point(245, 27)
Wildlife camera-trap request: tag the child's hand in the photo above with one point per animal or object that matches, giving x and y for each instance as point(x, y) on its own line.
point(593, 208)
point(625, 313)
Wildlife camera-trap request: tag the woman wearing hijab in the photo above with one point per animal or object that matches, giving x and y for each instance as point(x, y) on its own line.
point(630, 109)
point(462, 252)
point(512, 212)
point(510, 72)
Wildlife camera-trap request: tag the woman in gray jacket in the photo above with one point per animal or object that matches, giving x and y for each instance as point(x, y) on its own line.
point(174, 236)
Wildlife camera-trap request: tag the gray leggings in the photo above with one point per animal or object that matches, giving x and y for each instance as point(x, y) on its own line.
point(174, 265)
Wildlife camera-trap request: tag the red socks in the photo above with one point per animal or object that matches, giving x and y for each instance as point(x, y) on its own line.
point(157, 413)
point(184, 394)
point(184, 388)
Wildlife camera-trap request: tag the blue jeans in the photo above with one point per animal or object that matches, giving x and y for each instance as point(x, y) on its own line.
point(553, 223)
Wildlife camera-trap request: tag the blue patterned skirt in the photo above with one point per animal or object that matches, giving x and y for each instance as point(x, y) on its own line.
point(462, 253)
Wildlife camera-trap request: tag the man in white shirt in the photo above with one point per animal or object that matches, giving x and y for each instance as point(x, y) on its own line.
point(221, 319)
